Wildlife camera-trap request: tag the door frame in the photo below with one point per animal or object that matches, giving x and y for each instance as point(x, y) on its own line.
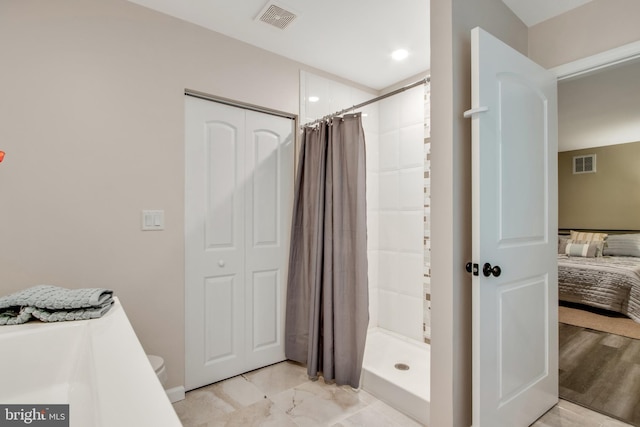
point(601, 61)
point(241, 104)
point(582, 66)
point(260, 109)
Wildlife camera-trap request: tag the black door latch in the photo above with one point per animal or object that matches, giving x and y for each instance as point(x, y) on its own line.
point(472, 268)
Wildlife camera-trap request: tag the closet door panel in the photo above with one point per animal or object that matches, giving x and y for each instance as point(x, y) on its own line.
point(222, 204)
point(265, 187)
point(214, 242)
point(269, 155)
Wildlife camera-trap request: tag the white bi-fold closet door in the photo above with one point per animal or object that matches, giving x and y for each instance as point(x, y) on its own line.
point(238, 197)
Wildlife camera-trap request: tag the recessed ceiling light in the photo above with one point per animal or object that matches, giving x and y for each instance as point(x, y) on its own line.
point(399, 54)
point(314, 99)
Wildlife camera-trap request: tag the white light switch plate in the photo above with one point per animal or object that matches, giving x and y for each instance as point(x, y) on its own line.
point(152, 220)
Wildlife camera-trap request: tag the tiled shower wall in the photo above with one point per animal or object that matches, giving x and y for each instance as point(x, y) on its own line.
point(401, 212)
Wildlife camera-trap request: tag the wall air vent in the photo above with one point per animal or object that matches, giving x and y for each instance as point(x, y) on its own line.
point(584, 164)
point(275, 15)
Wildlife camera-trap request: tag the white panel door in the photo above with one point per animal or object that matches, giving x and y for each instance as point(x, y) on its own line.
point(268, 201)
point(515, 341)
point(238, 192)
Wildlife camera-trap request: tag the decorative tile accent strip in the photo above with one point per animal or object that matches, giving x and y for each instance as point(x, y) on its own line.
point(426, 325)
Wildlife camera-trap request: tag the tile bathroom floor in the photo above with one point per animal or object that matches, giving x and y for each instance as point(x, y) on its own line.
point(281, 395)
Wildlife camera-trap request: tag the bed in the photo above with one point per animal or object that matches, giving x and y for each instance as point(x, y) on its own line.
point(603, 275)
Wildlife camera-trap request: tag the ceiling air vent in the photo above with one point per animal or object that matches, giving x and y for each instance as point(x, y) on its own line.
point(584, 164)
point(276, 16)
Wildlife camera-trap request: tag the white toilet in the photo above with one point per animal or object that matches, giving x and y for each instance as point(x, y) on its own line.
point(157, 363)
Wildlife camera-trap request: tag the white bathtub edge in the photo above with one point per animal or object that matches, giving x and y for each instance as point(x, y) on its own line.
point(175, 394)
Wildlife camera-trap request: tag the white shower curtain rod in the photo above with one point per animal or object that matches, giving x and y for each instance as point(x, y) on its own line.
point(371, 101)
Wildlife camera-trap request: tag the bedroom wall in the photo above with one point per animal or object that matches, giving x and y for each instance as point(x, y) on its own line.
point(92, 121)
point(607, 199)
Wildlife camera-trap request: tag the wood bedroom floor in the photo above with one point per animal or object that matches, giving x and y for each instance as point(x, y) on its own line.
point(601, 371)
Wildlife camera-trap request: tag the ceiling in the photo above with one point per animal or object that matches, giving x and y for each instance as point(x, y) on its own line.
point(352, 39)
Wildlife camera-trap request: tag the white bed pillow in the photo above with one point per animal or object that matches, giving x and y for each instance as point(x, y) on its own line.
point(584, 249)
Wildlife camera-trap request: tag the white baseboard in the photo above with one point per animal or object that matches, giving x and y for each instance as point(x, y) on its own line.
point(175, 394)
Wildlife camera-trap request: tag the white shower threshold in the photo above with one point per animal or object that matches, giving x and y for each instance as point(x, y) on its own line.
point(406, 390)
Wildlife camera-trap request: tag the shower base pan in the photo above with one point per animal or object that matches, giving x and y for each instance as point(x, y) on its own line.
point(396, 370)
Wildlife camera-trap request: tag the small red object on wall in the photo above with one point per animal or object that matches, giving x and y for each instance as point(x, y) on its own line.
point(1, 156)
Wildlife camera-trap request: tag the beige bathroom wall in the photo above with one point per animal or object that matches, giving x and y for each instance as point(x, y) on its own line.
point(92, 121)
point(595, 27)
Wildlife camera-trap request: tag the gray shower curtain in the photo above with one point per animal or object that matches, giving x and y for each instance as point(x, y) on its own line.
point(327, 311)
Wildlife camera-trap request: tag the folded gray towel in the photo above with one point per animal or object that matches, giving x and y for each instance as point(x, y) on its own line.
point(53, 304)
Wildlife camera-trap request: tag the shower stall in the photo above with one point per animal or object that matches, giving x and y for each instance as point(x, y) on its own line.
point(397, 353)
